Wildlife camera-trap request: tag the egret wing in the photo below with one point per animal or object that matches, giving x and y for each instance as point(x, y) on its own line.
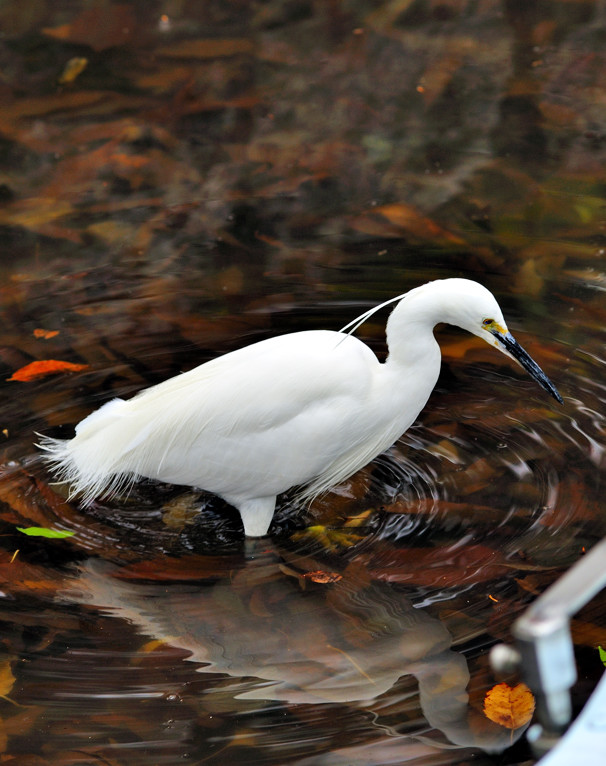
point(259, 419)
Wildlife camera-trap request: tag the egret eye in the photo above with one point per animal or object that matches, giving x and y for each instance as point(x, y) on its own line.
point(487, 322)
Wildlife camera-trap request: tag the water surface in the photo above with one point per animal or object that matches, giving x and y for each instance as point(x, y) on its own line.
point(212, 178)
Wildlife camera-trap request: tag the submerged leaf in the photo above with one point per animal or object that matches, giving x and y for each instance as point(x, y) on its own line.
point(43, 532)
point(40, 332)
point(98, 27)
point(45, 367)
point(509, 706)
point(207, 48)
point(323, 577)
point(7, 679)
point(441, 567)
point(72, 69)
point(330, 539)
point(359, 520)
point(398, 219)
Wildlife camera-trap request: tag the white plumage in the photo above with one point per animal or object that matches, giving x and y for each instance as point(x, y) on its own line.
point(306, 409)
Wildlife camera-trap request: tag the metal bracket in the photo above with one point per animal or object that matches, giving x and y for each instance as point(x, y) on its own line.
point(544, 653)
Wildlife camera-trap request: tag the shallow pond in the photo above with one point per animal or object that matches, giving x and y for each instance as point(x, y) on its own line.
point(210, 179)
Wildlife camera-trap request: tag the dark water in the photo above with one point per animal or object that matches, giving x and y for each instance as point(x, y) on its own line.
point(218, 175)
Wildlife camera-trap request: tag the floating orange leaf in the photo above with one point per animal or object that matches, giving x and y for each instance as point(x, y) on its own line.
point(509, 706)
point(46, 367)
point(46, 334)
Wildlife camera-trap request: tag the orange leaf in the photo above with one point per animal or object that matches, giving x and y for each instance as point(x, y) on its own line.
point(398, 219)
point(46, 334)
point(509, 706)
point(45, 367)
point(323, 577)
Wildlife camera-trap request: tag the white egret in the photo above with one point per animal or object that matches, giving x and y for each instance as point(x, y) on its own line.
point(307, 409)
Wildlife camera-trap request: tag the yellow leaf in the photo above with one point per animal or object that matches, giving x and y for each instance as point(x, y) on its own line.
point(152, 645)
point(7, 679)
point(509, 706)
point(155, 645)
point(34, 212)
point(72, 69)
point(359, 519)
point(330, 539)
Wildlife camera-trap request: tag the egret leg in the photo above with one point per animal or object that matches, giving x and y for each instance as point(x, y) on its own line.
point(256, 514)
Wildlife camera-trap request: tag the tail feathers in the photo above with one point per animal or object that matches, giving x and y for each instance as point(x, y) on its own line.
point(87, 462)
point(101, 417)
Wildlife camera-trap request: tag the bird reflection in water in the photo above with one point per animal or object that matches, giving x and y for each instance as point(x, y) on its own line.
point(348, 642)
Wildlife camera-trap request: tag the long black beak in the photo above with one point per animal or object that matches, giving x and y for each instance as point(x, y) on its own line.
point(513, 347)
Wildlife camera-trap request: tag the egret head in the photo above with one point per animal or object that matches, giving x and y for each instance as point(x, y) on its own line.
point(477, 311)
point(466, 304)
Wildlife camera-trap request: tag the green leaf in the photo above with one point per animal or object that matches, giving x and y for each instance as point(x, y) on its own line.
point(42, 532)
point(602, 654)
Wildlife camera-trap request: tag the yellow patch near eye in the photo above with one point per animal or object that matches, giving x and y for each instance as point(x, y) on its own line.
point(491, 324)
